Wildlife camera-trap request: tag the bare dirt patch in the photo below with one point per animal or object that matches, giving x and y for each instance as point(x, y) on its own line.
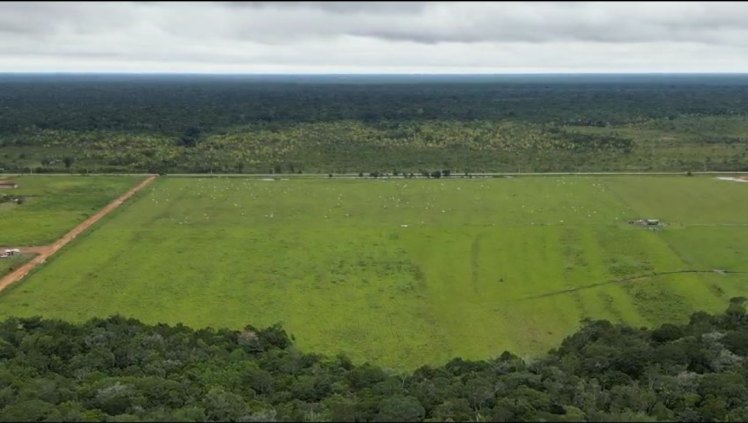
point(35, 250)
point(41, 249)
point(8, 184)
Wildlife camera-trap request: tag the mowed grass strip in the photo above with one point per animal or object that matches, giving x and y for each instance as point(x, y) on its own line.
point(404, 272)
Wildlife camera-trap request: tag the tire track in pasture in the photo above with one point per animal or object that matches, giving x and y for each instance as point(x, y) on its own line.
point(475, 261)
point(684, 261)
point(627, 280)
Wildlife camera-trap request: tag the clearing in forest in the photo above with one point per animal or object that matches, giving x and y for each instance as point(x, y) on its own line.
point(405, 272)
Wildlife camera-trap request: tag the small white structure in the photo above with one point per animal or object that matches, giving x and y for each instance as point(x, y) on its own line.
point(650, 223)
point(10, 252)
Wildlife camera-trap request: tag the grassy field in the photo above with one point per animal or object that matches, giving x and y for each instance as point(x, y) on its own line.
point(405, 272)
point(9, 264)
point(54, 205)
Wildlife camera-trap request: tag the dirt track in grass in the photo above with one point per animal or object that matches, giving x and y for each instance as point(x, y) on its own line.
point(44, 252)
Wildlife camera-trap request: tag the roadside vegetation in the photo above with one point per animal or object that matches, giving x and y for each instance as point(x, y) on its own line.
point(9, 264)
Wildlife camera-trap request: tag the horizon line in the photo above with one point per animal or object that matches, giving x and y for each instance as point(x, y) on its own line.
point(359, 73)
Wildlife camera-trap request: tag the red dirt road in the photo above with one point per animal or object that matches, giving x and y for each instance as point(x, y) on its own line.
point(46, 251)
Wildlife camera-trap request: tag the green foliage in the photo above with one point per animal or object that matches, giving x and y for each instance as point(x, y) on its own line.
point(245, 125)
point(168, 373)
point(190, 137)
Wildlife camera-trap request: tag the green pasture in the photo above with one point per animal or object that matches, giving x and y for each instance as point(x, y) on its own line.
point(405, 272)
point(53, 205)
point(10, 264)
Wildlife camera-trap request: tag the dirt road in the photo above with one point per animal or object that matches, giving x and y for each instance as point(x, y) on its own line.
point(46, 251)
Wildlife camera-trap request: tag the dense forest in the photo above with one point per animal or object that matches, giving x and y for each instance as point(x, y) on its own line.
point(119, 369)
point(328, 124)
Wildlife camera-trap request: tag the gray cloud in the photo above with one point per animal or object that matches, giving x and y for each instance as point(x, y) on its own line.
point(374, 36)
point(344, 7)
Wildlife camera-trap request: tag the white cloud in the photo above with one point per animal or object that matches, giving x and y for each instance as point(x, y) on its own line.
point(374, 37)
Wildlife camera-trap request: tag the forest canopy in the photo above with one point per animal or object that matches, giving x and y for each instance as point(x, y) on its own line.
point(321, 124)
point(119, 369)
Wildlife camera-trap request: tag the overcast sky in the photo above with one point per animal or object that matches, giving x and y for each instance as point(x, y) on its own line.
point(374, 37)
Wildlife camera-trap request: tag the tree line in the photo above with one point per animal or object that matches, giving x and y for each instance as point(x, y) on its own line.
point(195, 124)
point(120, 369)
